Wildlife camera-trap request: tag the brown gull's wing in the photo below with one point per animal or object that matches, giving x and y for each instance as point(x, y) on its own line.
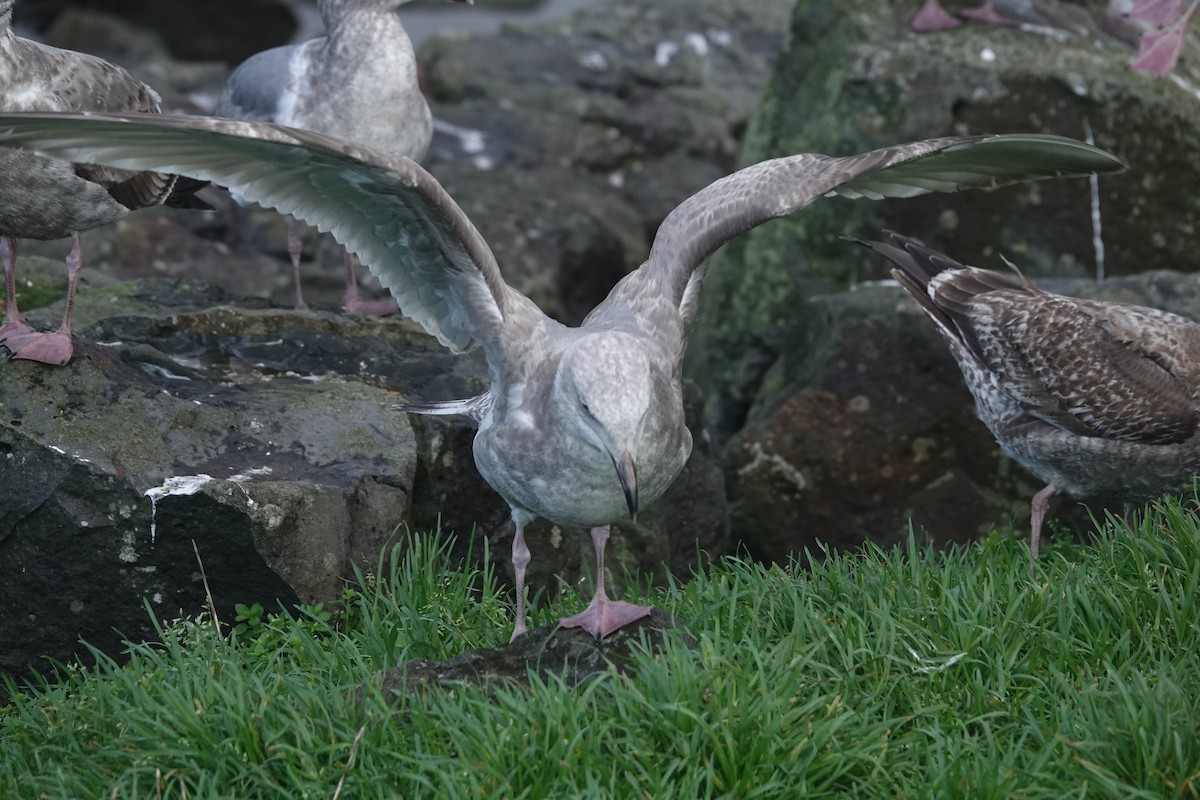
point(1099, 369)
point(775, 188)
point(45, 78)
point(1089, 367)
point(386, 209)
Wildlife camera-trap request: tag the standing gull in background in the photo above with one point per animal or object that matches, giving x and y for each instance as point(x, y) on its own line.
point(357, 82)
point(1095, 398)
point(581, 426)
point(42, 198)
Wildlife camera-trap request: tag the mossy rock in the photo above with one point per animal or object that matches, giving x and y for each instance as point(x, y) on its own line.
point(855, 77)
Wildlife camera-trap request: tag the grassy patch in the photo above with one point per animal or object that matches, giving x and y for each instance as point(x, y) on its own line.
point(907, 673)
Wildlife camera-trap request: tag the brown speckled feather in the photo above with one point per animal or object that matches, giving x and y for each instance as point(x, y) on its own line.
point(1095, 398)
point(37, 77)
point(1098, 369)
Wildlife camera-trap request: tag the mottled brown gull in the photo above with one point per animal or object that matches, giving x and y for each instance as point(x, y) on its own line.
point(581, 426)
point(43, 198)
point(357, 82)
point(1094, 398)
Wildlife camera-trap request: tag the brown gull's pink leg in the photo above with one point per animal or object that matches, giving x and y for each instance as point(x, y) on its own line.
point(1037, 514)
point(52, 348)
point(14, 321)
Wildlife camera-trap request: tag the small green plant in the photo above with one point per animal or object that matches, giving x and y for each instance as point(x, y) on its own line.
point(247, 619)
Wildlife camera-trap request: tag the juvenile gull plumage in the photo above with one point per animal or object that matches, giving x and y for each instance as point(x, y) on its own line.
point(582, 425)
point(1095, 398)
point(42, 198)
point(357, 82)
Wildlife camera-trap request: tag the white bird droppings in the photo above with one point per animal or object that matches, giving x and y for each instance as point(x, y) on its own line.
point(175, 485)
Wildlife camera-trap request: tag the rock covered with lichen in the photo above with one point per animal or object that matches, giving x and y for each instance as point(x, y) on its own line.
point(848, 416)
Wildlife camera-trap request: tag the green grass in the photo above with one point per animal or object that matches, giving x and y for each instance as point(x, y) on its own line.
point(906, 673)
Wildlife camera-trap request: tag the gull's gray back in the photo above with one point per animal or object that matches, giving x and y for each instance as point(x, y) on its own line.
point(257, 87)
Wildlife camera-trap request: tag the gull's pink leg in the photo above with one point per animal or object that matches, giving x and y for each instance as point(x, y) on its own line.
point(520, 560)
point(603, 616)
point(1159, 50)
point(14, 321)
point(294, 246)
point(932, 17)
point(1155, 12)
point(52, 348)
point(986, 12)
point(1037, 513)
point(353, 304)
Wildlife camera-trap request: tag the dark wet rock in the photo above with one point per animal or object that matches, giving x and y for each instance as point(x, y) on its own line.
point(855, 77)
point(307, 476)
point(875, 427)
point(571, 655)
point(590, 130)
point(559, 236)
point(593, 128)
point(226, 30)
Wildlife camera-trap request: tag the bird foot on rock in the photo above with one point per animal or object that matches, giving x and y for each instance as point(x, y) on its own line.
point(932, 17)
point(15, 329)
point(54, 348)
point(987, 13)
point(604, 616)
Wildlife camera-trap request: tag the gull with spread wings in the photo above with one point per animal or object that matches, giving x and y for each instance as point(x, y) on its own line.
point(581, 425)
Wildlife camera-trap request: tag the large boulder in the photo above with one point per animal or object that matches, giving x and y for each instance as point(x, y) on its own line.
point(856, 77)
point(134, 473)
point(874, 430)
point(842, 414)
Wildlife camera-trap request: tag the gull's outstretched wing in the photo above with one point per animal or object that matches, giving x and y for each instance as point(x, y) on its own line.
point(751, 196)
point(386, 209)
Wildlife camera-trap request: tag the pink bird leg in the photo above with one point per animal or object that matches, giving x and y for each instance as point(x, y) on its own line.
point(1159, 50)
point(932, 17)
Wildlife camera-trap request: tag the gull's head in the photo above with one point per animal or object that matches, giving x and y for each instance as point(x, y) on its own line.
point(605, 384)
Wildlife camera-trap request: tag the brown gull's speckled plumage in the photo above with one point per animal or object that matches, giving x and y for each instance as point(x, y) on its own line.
point(1094, 398)
point(46, 198)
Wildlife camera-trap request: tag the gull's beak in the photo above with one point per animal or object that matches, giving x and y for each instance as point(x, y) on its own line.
point(627, 475)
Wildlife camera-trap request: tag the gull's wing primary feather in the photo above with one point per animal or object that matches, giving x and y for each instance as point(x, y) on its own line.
point(778, 187)
point(386, 209)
